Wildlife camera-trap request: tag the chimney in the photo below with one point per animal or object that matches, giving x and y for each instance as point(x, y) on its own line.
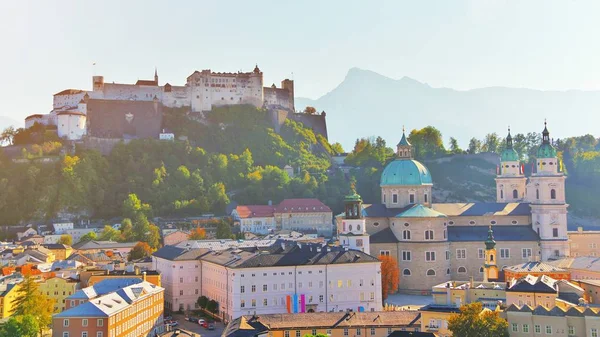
point(144, 277)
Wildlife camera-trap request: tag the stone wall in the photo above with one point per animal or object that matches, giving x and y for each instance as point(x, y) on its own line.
point(315, 122)
point(103, 145)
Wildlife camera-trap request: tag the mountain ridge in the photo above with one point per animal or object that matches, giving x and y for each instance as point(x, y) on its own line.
point(369, 97)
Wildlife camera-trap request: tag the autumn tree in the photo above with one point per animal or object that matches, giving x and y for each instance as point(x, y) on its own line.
point(140, 250)
point(310, 110)
point(390, 275)
point(197, 234)
point(31, 301)
point(65, 239)
point(472, 321)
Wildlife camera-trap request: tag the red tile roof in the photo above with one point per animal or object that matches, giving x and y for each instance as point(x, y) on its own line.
point(69, 92)
point(301, 206)
point(255, 211)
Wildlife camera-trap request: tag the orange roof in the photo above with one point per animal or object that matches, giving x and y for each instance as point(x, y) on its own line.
point(255, 211)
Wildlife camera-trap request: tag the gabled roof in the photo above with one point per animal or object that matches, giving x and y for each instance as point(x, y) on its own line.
point(146, 82)
point(174, 253)
point(534, 267)
point(540, 284)
point(104, 287)
point(482, 208)
point(581, 262)
point(381, 211)
point(255, 211)
point(301, 206)
point(501, 233)
point(420, 211)
point(384, 236)
point(94, 244)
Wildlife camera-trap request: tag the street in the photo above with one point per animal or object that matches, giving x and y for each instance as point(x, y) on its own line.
point(195, 327)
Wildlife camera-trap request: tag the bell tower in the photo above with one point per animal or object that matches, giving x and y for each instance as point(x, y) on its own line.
point(546, 194)
point(510, 180)
point(353, 234)
point(490, 268)
point(404, 148)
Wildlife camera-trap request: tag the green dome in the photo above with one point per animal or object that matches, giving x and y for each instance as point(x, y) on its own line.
point(353, 196)
point(509, 155)
point(546, 151)
point(405, 172)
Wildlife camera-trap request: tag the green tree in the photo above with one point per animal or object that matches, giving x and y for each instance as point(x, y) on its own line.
point(20, 326)
point(7, 135)
point(454, 148)
point(153, 237)
point(472, 321)
point(110, 234)
point(202, 301)
point(127, 234)
point(133, 205)
point(474, 146)
point(491, 143)
point(427, 143)
point(337, 148)
point(140, 250)
point(31, 301)
point(65, 239)
point(224, 230)
point(213, 306)
point(88, 237)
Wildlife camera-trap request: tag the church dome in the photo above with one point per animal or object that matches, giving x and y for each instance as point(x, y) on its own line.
point(546, 151)
point(509, 155)
point(405, 172)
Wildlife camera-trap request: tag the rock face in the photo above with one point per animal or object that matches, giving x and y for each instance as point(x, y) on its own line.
point(382, 105)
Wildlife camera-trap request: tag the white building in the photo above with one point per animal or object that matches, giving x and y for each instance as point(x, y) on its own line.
point(257, 219)
point(286, 277)
point(62, 227)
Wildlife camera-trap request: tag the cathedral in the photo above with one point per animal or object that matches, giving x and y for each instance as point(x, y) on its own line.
point(438, 242)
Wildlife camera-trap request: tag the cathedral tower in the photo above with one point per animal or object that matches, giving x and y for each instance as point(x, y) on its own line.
point(353, 234)
point(546, 194)
point(510, 181)
point(490, 269)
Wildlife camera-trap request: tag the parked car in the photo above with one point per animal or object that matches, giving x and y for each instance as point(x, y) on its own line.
point(171, 323)
point(204, 324)
point(201, 321)
point(211, 326)
point(192, 319)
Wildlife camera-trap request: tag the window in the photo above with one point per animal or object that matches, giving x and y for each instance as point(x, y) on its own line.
point(594, 332)
point(297, 333)
point(394, 198)
point(100, 322)
point(314, 332)
point(447, 255)
point(429, 256)
point(515, 194)
point(84, 334)
point(99, 334)
point(180, 292)
point(526, 253)
point(548, 330)
point(552, 194)
point(65, 334)
point(405, 255)
point(372, 331)
point(556, 253)
point(526, 328)
point(472, 222)
point(181, 280)
point(571, 330)
point(480, 253)
point(358, 332)
point(345, 331)
point(406, 234)
point(253, 288)
point(554, 232)
point(242, 289)
point(328, 331)
point(537, 194)
point(243, 304)
point(321, 298)
point(425, 197)
point(481, 270)
point(515, 327)
point(84, 322)
point(411, 198)
point(286, 334)
point(462, 270)
point(66, 323)
point(514, 222)
point(265, 287)
point(448, 271)
point(430, 272)
point(501, 194)
point(265, 302)
point(406, 272)
point(445, 233)
point(428, 235)
point(461, 253)
point(504, 253)
point(253, 303)
point(384, 252)
point(375, 224)
point(537, 328)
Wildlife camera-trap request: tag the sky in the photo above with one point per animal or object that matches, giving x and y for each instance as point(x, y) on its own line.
point(48, 46)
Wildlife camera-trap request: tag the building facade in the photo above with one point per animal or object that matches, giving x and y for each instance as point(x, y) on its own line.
point(584, 243)
point(58, 289)
point(437, 242)
point(537, 321)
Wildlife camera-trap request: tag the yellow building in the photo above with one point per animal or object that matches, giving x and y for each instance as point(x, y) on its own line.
point(333, 324)
point(434, 318)
point(58, 289)
point(8, 293)
point(61, 252)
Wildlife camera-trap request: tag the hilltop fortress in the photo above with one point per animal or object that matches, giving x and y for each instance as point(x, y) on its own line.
point(122, 111)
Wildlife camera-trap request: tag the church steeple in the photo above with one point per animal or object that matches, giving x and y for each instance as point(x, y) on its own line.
point(156, 75)
point(404, 148)
point(509, 142)
point(545, 134)
point(490, 269)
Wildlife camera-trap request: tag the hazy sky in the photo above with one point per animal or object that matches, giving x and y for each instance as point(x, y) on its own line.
point(48, 46)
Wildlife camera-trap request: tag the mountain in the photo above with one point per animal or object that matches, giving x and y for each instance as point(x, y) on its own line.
point(370, 104)
point(6, 122)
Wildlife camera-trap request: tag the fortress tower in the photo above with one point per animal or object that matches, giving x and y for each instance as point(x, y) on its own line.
point(546, 194)
point(510, 181)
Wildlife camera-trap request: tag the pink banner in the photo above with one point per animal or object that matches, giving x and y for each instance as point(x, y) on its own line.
point(302, 303)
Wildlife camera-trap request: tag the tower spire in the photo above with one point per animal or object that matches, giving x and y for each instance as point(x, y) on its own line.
point(156, 75)
point(404, 148)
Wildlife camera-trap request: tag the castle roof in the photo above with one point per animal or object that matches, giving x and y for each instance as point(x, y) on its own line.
point(34, 116)
point(482, 208)
point(307, 205)
point(420, 211)
point(146, 82)
point(68, 92)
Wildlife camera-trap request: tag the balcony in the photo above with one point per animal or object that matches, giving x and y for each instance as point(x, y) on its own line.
point(432, 328)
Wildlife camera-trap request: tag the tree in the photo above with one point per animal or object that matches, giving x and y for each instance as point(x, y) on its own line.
point(31, 301)
point(65, 239)
point(224, 230)
point(127, 230)
point(20, 326)
point(133, 205)
point(472, 321)
point(337, 148)
point(427, 142)
point(202, 301)
point(474, 146)
point(88, 237)
point(390, 275)
point(110, 234)
point(153, 237)
point(7, 136)
point(213, 306)
point(454, 148)
point(491, 143)
point(140, 250)
point(310, 110)
point(197, 234)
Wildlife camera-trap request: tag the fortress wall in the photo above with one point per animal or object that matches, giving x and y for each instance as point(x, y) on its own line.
point(317, 123)
point(103, 145)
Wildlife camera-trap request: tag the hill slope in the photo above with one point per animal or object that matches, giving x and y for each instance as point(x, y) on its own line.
point(382, 105)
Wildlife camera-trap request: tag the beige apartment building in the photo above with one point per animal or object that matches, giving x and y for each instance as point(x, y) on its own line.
point(584, 243)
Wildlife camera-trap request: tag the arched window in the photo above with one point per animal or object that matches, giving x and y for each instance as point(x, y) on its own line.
point(462, 270)
point(429, 235)
point(491, 257)
point(406, 234)
point(430, 272)
point(350, 228)
point(501, 194)
point(425, 197)
point(537, 194)
point(448, 271)
point(481, 269)
point(406, 272)
point(411, 198)
point(515, 194)
point(444, 233)
point(552, 194)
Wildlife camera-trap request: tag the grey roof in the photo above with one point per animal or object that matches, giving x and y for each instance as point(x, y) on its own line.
point(384, 236)
point(95, 244)
point(515, 308)
point(104, 287)
point(534, 266)
point(555, 311)
point(582, 262)
point(540, 284)
point(482, 208)
point(573, 311)
point(174, 253)
point(381, 211)
point(501, 233)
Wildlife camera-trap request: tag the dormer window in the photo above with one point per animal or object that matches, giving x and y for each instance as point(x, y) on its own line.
point(394, 198)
